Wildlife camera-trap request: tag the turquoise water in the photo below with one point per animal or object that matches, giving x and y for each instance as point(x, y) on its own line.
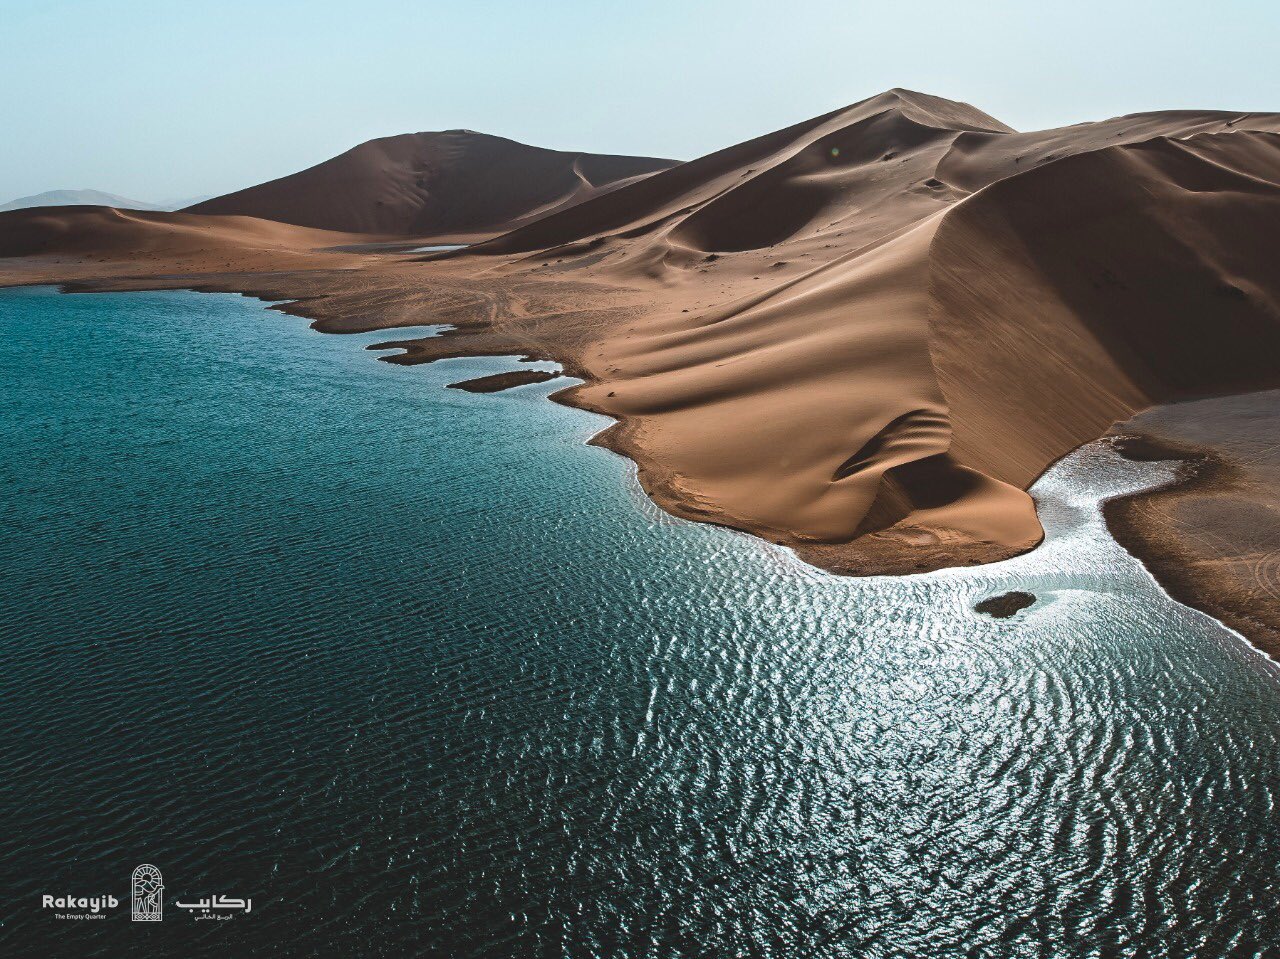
point(422, 674)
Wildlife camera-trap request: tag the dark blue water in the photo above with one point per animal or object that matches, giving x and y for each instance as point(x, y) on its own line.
point(421, 673)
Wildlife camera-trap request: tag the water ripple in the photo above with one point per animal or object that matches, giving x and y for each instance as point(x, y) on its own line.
point(423, 673)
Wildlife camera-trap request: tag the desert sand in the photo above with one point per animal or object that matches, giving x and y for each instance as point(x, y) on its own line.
point(1212, 540)
point(863, 336)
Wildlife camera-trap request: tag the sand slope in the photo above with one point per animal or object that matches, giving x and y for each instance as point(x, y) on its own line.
point(842, 168)
point(428, 184)
point(1121, 277)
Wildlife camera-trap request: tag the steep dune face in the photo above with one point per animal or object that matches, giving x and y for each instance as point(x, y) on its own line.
point(422, 184)
point(1072, 296)
point(840, 173)
point(812, 246)
point(860, 455)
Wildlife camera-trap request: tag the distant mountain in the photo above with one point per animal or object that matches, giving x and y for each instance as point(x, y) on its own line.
point(420, 184)
point(183, 202)
point(77, 198)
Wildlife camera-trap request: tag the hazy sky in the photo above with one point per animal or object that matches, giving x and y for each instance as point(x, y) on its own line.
point(156, 100)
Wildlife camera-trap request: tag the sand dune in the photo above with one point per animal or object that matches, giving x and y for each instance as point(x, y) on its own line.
point(862, 336)
point(433, 184)
point(952, 344)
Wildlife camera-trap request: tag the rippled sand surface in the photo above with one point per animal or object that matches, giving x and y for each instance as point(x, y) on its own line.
point(422, 673)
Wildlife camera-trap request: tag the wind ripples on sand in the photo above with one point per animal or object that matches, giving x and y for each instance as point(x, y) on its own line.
point(420, 672)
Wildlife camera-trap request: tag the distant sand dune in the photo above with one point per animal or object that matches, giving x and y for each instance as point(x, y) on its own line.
point(456, 182)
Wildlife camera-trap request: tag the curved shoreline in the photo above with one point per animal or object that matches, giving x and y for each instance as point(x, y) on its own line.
point(1141, 523)
point(335, 304)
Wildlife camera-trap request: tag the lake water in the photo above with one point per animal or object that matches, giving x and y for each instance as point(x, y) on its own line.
point(420, 673)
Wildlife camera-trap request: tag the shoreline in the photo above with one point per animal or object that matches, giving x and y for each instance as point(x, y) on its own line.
point(321, 297)
point(1209, 539)
point(1097, 682)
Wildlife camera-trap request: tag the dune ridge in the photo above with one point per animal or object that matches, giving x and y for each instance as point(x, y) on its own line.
point(862, 337)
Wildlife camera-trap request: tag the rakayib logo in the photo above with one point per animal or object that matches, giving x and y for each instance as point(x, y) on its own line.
point(148, 894)
point(80, 907)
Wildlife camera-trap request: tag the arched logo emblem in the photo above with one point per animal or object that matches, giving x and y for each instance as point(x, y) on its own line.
point(148, 894)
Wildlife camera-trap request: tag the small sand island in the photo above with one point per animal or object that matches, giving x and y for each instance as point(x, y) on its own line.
point(498, 382)
point(1006, 604)
point(863, 336)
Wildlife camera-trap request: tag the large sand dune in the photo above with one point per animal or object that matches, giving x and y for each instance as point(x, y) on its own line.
point(863, 336)
point(936, 309)
point(433, 184)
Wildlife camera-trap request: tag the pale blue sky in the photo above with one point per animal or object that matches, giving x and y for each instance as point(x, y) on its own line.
point(158, 99)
